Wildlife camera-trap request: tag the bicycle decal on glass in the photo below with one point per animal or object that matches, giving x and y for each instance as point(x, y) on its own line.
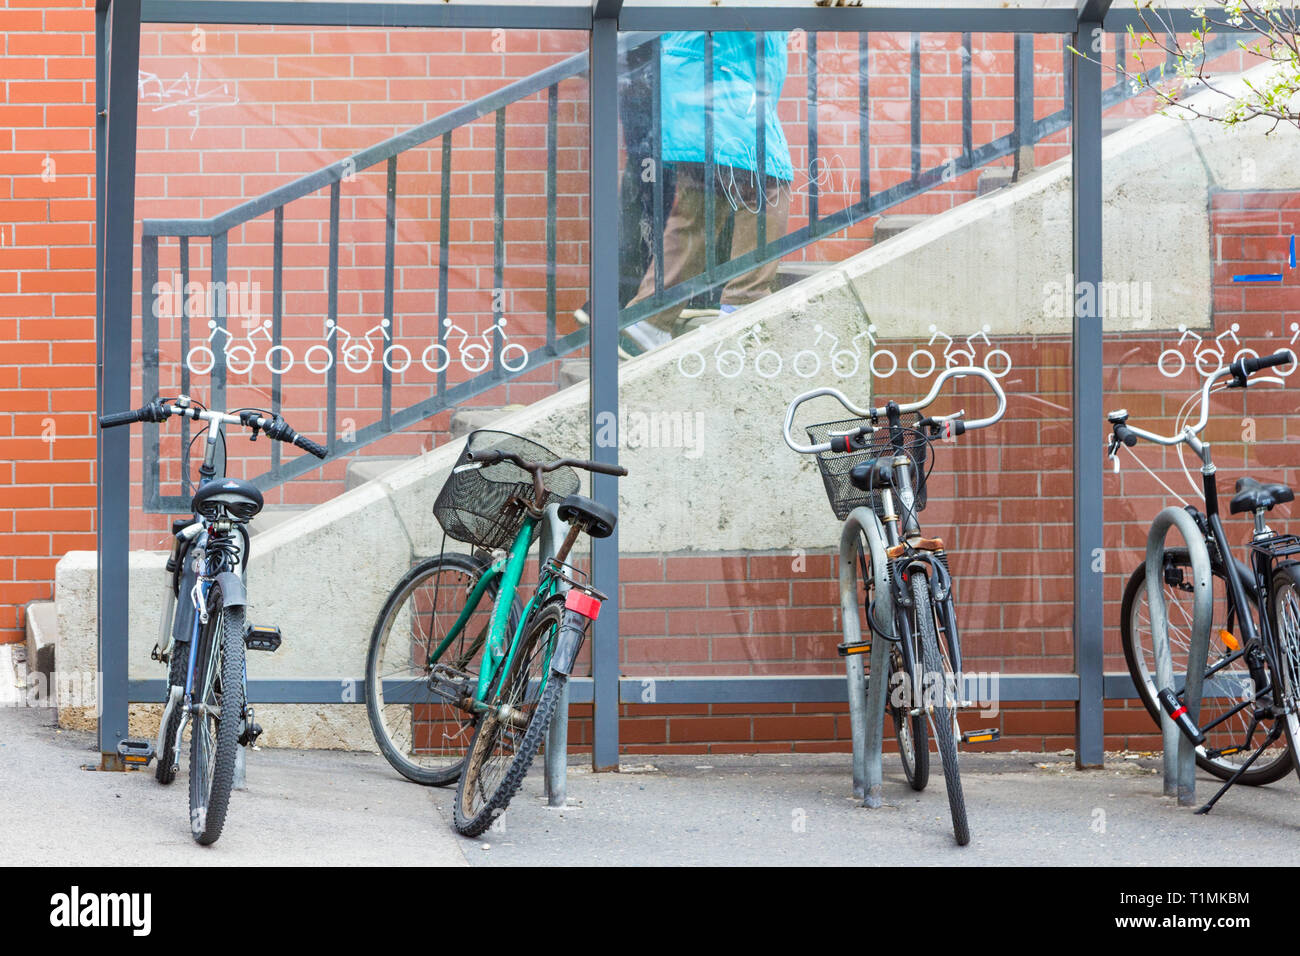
point(357, 353)
point(846, 360)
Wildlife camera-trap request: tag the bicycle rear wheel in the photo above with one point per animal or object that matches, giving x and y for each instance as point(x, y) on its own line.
point(1228, 688)
point(423, 727)
point(939, 684)
point(909, 729)
point(1286, 625)
point(509, 735)
point(218, 694)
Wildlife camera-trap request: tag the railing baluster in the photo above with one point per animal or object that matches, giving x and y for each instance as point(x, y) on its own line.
point(277, 324)
point(390, 237)
point(864, 117)
point(814, 185)
point(760, 140)
point(185, 339)
point(332, 376)
point(552, 190)
point(710, 214)
point(219, 310)
point(657, 150)
point(149, 334)
point(915, 92)
point(1023, 106)
point(444, 240)
point(498, 242)
point(966, 99)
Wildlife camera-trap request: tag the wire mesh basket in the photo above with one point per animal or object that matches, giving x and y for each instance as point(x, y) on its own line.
point(485, 507)
point(835, 467)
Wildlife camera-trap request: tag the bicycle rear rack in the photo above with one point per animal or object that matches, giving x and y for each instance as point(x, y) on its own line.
point(1278, 546)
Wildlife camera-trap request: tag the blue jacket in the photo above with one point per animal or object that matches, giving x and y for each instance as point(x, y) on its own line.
point(735, 71)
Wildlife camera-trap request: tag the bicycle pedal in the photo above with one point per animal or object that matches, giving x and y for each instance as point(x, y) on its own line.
point(1225, 752)
point(136, 753)
point(980, 736)
point(249, 737)
point(848, 650)
point(262, 637)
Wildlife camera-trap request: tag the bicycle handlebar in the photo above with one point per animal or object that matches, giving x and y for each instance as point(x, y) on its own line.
point(275, 427)
point(486, 458)
point(875, 413)
point(1240, 370)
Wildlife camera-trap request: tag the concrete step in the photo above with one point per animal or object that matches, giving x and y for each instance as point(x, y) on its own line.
point(573, 371)
point(889, 226)
point(466, 420)
point(994, 178)
point(788, 273)
point(367, 468)
point(42, 627)
point(273, 515)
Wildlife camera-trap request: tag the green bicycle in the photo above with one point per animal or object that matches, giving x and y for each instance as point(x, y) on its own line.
point(461, 681)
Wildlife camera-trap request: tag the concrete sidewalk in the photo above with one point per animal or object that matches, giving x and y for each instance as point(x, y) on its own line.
point(327, 807)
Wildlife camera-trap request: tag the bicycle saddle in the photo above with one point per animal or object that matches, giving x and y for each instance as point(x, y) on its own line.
point(1251, 495)
point(598, 520)
point(240, 499)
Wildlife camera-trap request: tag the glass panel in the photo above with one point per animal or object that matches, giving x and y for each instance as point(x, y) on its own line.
point(908, 218)
point(1199, 224)
point(380, 235)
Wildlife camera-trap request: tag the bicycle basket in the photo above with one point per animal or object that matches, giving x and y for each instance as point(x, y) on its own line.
point(835, 467)
point(485, 507)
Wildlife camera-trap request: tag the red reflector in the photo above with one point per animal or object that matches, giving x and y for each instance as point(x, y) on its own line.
point(583, 603)
point(1178, 713)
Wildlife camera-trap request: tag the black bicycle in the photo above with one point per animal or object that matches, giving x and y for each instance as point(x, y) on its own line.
point(204, 630)
point(1250, 705)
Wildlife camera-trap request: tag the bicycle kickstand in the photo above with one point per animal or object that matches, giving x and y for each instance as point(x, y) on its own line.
point(1273, 735)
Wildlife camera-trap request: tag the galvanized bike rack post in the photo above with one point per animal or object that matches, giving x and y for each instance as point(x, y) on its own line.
point(866, 697)
point(1180, 753)
point(557, 736)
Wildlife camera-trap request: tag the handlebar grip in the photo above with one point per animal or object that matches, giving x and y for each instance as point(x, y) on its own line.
point(1251, 365)
point(617, 470)
point(119, 418)
point(306, 444)
point(1125, 434)
point(486, 458)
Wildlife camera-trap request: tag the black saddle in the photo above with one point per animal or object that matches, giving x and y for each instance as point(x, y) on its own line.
point(240, 499)
point(596, 518)
point(1251, 495)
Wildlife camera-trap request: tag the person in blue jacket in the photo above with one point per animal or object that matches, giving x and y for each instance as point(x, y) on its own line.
point(736, 183)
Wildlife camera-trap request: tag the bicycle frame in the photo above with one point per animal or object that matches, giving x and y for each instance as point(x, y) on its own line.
point(500, 647)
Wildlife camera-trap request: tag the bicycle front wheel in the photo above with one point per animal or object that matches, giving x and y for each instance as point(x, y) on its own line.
point(417, 698)
point(218, 713)
point(1229, 688)
point(939, 685)
point(909, 729)
point(509, 735)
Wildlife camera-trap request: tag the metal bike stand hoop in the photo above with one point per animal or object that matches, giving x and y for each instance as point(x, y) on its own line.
point(1180, 752)
point(866, 697)
point(553, 531)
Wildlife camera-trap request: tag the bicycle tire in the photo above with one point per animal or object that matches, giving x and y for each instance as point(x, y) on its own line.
point(1286, 604)
point(210, 785)
point(180, 658)
point(1140, 661)
point(910, 730)
point(476, 809)
point(394, 731)
point(941, 714)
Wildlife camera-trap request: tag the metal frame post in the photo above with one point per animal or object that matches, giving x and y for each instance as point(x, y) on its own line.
point(603, 94)
point(1086, 390)
point(557, 735)
point(115, 210)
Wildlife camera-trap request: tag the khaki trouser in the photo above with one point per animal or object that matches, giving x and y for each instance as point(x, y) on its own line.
point(685, 241)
